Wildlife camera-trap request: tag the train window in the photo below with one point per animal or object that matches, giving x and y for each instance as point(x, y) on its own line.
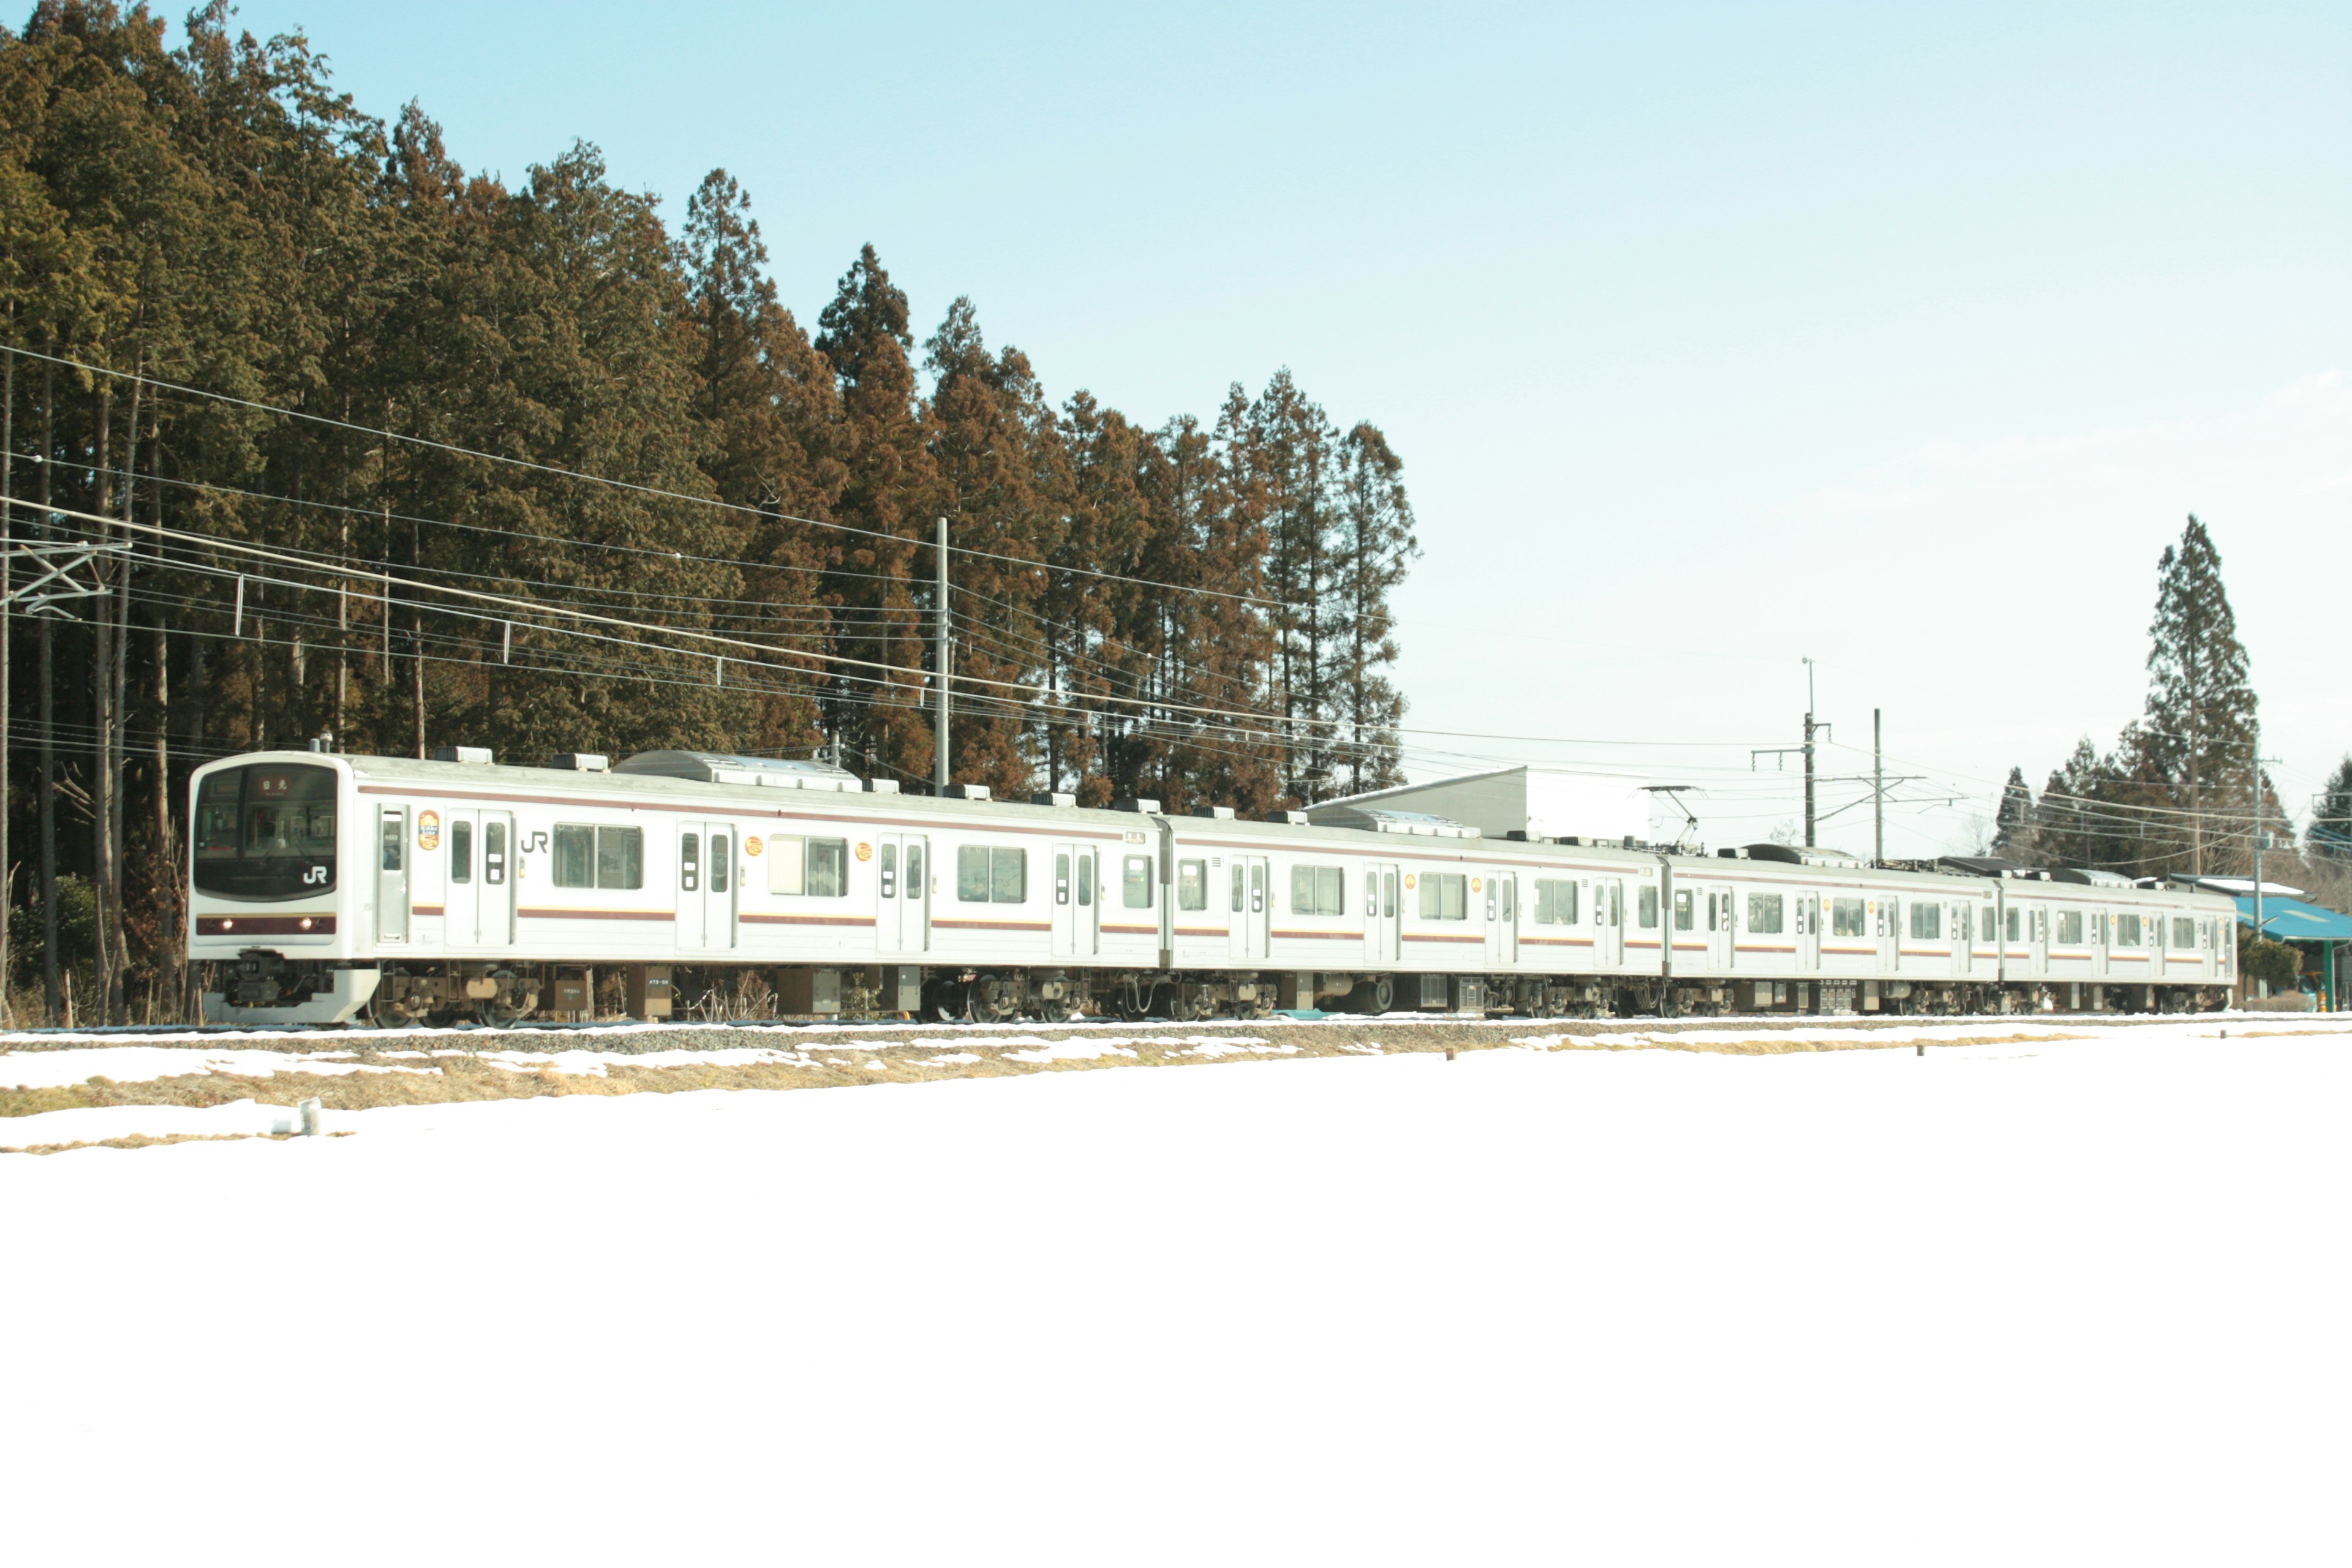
point(1984, 923)
point(2184, 932)
point(1555, 903)
point(494, 853)
point(1444, 896)
point(1060, 875)
point(1192, 884)
point(828, 867)
point(1135, 882)
point(461, 851)
point(722, 861)
point(620, 857)
point(2013, 923)
point(1926, 920)
point(1510, 900)
point(1616, 904)
point(1645, 907)
point(1388, 895)
point(1686, 910)
point(395, 838)
point(1257, 888)
point(1846, 917)
point(2070, 927)
point(588, 857)
point(1086, 879)
point(2127, 930)
point(689, 862)
point(787, 864)
point(987, 875)
point(1318, 890)
point(915, 888)
point(574, 856)
point(888, 876)
point(1767, 913)
point(1237, 886)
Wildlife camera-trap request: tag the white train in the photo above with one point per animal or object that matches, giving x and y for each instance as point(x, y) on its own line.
point(328, 887)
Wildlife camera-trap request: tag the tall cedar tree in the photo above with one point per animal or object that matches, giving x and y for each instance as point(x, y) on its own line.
point(890, 494)
point(2194, 747)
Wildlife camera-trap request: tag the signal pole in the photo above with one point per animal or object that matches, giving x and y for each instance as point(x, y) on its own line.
point(946, 642)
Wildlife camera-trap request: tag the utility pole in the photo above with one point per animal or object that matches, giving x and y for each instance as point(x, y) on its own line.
point(2258, 829)
point(1877, 791)
point(1776, 752)
point(946, 645)
point(1808, 753)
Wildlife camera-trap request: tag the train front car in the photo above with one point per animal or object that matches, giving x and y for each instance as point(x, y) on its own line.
point(272, 919)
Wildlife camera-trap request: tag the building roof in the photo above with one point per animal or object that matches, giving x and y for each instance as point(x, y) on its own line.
point(2292, 919)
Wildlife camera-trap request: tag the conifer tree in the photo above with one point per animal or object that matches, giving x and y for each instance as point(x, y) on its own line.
point(2330, 835)
point(2012, 833)
point(2195, 743)
point(1375, 547)
point(891, 493)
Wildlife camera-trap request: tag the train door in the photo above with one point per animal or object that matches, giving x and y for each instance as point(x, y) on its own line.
point(1888, 923)
point(1964, 917)
point(1252, 919)
point(706, 886)
point(2095, 930)
point(1077, 906)
point(1382, 938)
point(1808, 931)
point(902, 894)
point(1718, 927)
point(392, 873)
point(482, 901)
point(1502, 916)
point(1609, 921)
point(2037, 938)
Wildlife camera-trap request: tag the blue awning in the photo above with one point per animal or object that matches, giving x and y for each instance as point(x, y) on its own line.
point(2292, 919)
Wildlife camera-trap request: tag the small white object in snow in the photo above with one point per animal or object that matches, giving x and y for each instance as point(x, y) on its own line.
point(1070, 1051)
point(953, 1059)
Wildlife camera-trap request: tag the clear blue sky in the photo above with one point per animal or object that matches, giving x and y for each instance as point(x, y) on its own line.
point(1902, 337)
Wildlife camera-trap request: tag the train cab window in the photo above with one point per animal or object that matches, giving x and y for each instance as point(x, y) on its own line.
point(461, 852)
point(1645, 907)
point(1555, 903)
point(689, 862)
point(1847, 918)
point(2070, 927)
point(267, 831)
point(1444, 896)
point(989, 874)
point(1192, 884)
point(1319, 890)
point(1135, 882)
point(1926, 920)
point(1686, 909)
point(2184, 933)
point(1767, 913)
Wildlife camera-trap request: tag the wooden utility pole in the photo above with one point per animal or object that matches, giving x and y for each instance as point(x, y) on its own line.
point(51, 1000)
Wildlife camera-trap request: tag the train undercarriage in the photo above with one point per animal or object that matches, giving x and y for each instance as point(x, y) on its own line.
point(265, 987)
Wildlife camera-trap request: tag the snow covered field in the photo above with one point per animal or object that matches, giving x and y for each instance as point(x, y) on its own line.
point(2059, 1301)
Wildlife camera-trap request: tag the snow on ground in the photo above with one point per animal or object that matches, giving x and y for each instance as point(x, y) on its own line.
point(2063, 1301)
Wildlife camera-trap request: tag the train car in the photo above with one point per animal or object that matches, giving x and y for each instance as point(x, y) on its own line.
point(326, 887)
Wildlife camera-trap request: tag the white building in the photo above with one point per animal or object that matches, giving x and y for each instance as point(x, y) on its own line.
point(1542, 803)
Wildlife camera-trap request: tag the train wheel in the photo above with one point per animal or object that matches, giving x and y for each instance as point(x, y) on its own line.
point(946, 1001)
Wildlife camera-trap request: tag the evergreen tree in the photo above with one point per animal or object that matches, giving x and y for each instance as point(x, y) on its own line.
point(2329, 836)
point(2194, 747)
point(1375, 547)
point(891, 493)
point(2013, 834)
